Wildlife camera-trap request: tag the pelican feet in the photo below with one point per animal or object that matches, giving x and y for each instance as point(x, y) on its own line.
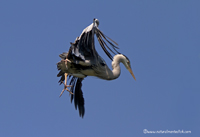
point(66, 86)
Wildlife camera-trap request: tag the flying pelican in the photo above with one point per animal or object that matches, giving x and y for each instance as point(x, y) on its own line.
point(83, 60)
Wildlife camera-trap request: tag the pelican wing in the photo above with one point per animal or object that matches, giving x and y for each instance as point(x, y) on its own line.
point(87, 44)
point(77, 94)
point(84, 45)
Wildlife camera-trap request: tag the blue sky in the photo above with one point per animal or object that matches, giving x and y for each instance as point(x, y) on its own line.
point(161, 38)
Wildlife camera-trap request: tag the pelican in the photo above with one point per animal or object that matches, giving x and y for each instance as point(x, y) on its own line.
point(83, 60)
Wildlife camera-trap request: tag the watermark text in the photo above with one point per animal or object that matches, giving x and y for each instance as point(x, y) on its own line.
point(145, 131)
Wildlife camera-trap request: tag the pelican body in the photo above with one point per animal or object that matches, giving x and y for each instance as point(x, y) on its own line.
point(83, 60)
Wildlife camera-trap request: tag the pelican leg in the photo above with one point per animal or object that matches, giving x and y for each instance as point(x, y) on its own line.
point(67, 60)
point(65, 86)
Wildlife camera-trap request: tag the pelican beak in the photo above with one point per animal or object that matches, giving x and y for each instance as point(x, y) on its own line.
point(130, 70)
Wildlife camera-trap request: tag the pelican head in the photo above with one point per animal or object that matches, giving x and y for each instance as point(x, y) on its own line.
point(127, 64)
point(96, 21)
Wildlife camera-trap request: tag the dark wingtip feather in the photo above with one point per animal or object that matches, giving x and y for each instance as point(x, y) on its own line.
point(100, 37)
point(77, 95)
point(78, 99)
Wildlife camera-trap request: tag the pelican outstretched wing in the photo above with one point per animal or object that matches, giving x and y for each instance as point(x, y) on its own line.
point(87, 44)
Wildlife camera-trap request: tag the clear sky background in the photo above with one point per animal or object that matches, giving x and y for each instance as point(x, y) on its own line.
point(161, 38)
